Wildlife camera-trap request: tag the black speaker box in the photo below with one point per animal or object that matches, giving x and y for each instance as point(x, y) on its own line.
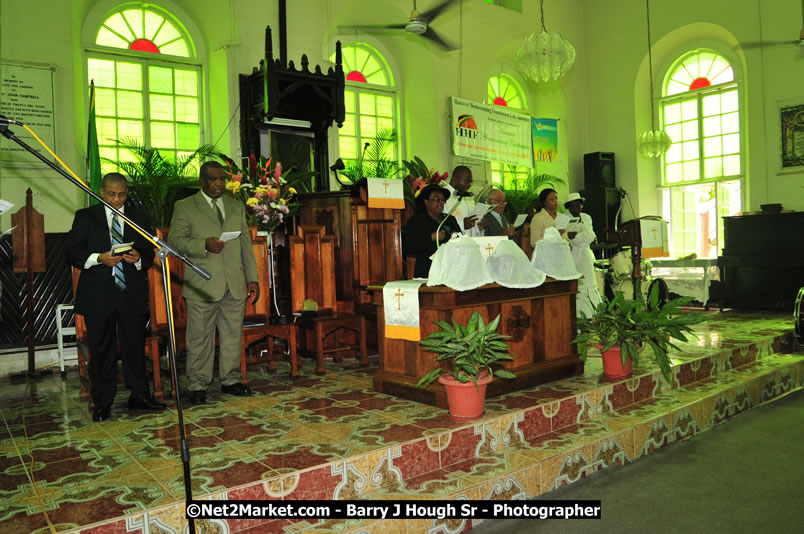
point(598, 170)
point(602, 204)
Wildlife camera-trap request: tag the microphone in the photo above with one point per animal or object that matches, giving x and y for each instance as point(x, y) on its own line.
point(5, 121)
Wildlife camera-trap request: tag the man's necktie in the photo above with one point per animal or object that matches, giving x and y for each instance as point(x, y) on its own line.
point(217, 210)
point(117, 238)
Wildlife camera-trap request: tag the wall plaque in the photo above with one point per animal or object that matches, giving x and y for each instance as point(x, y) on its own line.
point(26, 95)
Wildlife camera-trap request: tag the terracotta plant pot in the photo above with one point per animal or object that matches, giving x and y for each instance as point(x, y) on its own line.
point(613, 364)
point(464, 399)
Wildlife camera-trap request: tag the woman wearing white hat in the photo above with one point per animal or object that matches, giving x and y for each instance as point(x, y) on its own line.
point(582, 234)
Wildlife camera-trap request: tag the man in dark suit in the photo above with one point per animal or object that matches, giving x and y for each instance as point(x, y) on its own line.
point(111, 295)
point(496, 223)
point(220, 302)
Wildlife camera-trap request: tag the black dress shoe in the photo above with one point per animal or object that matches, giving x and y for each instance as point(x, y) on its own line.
point(237, 389)
point(101, 413)
point(142, 403)
point(198, 396)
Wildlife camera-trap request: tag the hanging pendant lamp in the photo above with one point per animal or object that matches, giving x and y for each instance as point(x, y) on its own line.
point(655, 142)
point(546, 56)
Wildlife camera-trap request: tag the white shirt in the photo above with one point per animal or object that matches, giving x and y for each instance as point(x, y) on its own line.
point(92, 259)
point(464, 208)
point(212, 206)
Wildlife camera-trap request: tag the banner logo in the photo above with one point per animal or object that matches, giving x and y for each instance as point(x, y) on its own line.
point(466, 126)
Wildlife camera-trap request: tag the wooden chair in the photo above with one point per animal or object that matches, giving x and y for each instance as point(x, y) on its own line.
point(312, 268)
point(84, 356)
point(256, 321)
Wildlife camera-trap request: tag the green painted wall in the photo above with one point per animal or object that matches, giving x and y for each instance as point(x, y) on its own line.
point(601, 104)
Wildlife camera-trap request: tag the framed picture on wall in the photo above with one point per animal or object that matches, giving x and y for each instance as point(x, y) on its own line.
point(791, 118)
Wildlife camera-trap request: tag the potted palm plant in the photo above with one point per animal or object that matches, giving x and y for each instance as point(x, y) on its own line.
point(622, 328)
point(521, 194)
point(472, 351)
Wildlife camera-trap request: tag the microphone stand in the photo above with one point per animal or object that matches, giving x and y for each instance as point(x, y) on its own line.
point(164, 250)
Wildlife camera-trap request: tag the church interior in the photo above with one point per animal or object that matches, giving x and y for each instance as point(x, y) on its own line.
point(679, 119)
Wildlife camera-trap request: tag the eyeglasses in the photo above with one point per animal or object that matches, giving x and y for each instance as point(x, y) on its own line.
point(437, 199)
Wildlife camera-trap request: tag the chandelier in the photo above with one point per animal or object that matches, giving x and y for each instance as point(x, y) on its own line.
point(546, 56)
point(655, 142)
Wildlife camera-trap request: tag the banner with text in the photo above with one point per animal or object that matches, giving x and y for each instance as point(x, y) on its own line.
point(492, 133)
point(545, 140)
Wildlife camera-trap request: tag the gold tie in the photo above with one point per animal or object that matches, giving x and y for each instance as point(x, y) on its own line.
point(217, 210)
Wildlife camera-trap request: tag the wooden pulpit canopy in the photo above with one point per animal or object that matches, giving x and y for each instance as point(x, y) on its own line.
point(278, 90)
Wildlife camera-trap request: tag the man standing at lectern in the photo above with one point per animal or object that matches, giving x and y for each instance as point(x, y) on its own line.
point(111, 295)
point(196, 231)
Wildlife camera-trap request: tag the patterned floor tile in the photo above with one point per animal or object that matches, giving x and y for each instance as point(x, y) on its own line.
point(333, 435)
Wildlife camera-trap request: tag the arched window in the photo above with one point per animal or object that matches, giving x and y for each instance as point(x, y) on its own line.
point(147, 82)
point(370, 101)
point(504, 90)
point(700, 107)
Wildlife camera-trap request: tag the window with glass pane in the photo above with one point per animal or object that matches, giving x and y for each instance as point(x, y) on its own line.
point(700, 113)
point(508, 176)
point(153, 101)
point(369, 98)
point(504, 90)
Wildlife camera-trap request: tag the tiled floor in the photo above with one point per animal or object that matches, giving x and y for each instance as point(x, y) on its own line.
point(333, 437)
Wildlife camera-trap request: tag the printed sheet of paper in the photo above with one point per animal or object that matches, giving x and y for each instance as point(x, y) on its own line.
point(520, 220)
point(5, 205)
point(481, 210)
point(228, 236)
point(561, 221)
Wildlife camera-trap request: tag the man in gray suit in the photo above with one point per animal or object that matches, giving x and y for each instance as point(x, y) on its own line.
point(496, 223)
point(195, 230)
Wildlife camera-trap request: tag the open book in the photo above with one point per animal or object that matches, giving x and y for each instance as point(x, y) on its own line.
point(121, 248)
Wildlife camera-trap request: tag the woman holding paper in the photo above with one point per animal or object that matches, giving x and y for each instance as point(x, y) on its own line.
point(547, 217)
point(422, 232)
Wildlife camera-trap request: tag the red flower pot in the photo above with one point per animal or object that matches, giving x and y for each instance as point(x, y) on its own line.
point(613, 364)
point(464, 399)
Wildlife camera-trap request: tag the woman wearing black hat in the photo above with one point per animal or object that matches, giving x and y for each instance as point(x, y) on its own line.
point(421, 232)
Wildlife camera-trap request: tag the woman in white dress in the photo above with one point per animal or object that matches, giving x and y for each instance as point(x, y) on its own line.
point(581, 235)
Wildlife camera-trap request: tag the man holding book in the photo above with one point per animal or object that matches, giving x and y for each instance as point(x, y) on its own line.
point(112, 294)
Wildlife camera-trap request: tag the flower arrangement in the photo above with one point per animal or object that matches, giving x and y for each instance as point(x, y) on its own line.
point(420, 176)
point(263, 190)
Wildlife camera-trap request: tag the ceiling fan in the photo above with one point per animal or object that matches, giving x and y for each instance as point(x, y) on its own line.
point(798, 42)
point(419, 24)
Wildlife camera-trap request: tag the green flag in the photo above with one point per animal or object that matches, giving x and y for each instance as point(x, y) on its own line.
point(93, 153)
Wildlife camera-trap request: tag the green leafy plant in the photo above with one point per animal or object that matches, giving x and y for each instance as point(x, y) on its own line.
point(376, 160)
point(470, 349)
point(634, 325)
point(523, 194)
point(154, 181)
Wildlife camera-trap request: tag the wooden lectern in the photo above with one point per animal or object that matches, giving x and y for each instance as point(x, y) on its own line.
point(541, 323)
point(28, 243)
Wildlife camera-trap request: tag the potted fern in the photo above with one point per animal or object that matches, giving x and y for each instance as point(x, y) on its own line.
point(472, 351)
point(622, 328)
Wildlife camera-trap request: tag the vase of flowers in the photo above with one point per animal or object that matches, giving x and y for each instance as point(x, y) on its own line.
point(267, 195)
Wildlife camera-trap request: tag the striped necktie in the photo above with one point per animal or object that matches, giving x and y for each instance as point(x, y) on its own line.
point(217, 210)
point(117, 238)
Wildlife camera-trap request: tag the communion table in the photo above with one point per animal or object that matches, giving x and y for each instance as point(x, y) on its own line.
point(540, 321)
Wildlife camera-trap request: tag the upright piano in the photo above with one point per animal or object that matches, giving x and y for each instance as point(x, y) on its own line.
point(762, 265)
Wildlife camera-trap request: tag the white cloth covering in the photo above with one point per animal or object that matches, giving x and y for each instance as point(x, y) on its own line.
point(552, 255)
point(459, 264)
point(509, 266)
